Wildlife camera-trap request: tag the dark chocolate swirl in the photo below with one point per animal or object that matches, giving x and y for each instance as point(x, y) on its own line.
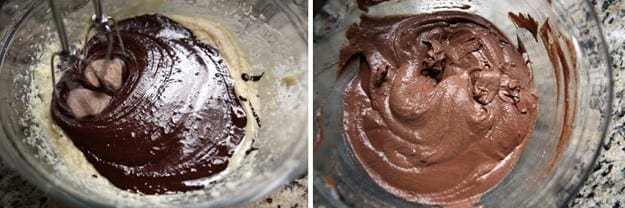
point(175, 119)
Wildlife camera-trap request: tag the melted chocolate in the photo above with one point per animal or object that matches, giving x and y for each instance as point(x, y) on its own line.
point(365, 4)
point(525, 21)
point(246, 77)
point(317, 5)
point(175, 119)
point(256, 117)
point(441, 108)
point(552, 40)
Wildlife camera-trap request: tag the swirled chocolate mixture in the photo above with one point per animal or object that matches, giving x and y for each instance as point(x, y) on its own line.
point(441, 108)
point(159, 117)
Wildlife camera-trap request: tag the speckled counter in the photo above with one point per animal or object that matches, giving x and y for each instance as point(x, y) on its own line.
point(606, 185)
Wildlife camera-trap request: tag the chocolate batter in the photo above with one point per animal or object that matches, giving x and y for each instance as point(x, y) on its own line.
point(441, 108)
point(158, 118)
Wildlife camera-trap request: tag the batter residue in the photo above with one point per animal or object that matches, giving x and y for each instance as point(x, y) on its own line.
point(441, 108)
point(160, 115)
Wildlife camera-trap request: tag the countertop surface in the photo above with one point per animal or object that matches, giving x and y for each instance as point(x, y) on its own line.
point(604, 188)
point(606, 185)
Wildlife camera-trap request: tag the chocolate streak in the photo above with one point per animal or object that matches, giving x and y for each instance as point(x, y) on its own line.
point(441, 108)
point(317, 5)
point(365, 4)
point(565, 76)
point(175, 120)
point(524, 21)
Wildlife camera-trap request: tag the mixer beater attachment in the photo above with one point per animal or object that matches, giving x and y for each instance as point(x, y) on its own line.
point(101, 22)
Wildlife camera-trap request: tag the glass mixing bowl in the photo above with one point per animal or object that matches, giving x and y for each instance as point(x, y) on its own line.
point(574, 104)
point(271, 33)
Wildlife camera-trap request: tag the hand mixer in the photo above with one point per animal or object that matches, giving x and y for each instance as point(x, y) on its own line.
point(69, 53)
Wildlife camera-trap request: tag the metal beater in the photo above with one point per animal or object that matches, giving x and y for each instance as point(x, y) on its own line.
point(69, 53)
